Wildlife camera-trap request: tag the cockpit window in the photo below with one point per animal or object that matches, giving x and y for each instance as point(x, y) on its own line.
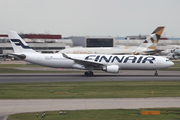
point(167, 60)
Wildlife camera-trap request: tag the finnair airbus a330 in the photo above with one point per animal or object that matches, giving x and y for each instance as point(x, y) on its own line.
point(108, 63)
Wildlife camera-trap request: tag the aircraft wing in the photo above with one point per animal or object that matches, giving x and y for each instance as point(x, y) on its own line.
point(153, 51)
point(83, 62)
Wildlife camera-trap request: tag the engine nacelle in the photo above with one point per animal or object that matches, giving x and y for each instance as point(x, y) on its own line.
point(77, 66)
point(111, 68)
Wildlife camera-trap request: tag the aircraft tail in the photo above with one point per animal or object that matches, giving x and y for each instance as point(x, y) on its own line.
point(18, 44)
point(151, 41)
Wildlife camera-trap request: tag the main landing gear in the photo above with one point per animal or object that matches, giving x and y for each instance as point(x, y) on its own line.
point(156, 73)
point(89, 73)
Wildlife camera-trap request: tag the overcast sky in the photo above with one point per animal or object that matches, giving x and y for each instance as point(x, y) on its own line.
point(90, 17)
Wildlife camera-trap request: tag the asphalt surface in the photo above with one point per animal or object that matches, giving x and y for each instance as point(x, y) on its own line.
point(40, 105)
point(127, 75)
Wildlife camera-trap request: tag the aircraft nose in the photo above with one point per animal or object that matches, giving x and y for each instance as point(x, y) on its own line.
point(171, 63)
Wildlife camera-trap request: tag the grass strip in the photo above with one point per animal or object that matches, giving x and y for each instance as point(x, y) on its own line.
point(13, 70)
point(105, 89)
point(119, 114)
point(10, 68)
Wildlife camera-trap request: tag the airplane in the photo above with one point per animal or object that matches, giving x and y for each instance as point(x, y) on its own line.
point(171, 51)
point(175, 53)
point(89, 62)
point(147, 47)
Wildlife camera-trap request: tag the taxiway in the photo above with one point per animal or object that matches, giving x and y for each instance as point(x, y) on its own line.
point(40, 105)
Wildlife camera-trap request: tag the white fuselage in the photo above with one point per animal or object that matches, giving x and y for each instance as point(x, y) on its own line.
point(123, 61)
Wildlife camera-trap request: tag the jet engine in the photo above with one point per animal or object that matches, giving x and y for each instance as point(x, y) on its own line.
point(78, 66)
point(111, 68)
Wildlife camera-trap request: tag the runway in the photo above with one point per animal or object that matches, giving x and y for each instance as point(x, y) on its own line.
point(40, 105)
point(77, 77)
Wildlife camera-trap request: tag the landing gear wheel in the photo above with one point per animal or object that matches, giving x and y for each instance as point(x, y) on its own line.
point(91, 73)
point(88, 73)
point(156, 73)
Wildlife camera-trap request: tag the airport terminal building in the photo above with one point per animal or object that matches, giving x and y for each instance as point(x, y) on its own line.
point(49, 43)
point(92, 41)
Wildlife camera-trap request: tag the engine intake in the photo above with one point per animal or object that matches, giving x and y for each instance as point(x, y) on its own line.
point(111, 68)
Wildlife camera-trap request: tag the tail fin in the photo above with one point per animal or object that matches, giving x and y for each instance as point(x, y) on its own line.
point(151, 41)
point(18, 44)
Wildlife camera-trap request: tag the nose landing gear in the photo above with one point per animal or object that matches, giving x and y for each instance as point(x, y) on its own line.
point(89, 73)
point(156, 73)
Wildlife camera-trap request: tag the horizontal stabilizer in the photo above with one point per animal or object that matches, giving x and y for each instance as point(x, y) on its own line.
point(20, 56)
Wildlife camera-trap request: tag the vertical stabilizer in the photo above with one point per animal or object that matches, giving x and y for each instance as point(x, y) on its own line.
point(151, 41)
point(18, 44)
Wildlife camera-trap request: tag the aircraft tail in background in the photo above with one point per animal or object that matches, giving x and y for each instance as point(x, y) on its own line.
point(150, 43)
